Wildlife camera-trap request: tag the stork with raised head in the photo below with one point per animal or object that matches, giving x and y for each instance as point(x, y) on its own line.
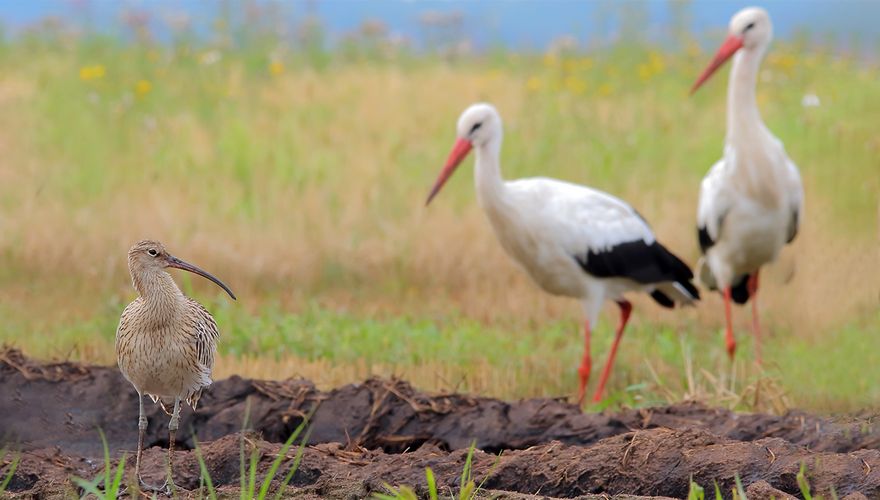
point(165, 342)
point(751, 201)
point(571, 240)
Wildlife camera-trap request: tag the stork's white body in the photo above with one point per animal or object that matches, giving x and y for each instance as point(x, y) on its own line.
point(751, 202)
point(750, 205)
point(571, 240)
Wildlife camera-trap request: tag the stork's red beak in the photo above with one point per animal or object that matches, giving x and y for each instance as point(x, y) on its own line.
point(456, 156)
point(186, 266)
point(731, 44)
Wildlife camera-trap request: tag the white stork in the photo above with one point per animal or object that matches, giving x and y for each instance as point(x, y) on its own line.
point(572, 240)
point(751, 201)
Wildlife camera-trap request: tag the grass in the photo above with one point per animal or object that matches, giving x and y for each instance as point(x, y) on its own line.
point(112, 478)
point(302, 184)
point(248, 467)
point(112, 481)
point(468, 489)
point(11, 465)
point(697, 492)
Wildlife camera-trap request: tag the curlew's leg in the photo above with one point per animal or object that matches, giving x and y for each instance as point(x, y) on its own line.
point(172, 430)
point(731, 343)
point(142, 429)
point(756, 325)
point(625, 310)
point(586, 365)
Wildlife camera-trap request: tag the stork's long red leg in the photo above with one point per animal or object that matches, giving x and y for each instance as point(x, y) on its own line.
point(731, 343)
point(625, 310)
point(756, 325)
point(586, 365)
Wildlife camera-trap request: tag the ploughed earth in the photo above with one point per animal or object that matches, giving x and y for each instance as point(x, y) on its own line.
point(362, 436)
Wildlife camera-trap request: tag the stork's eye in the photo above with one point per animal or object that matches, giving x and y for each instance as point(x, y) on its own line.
point(475, 127)
point(152, 252)
point(748, 27)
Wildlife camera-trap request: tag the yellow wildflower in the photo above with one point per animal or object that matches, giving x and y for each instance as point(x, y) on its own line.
point(575, 85)
point(604, 89)
point(550, 60)
point(533, 84)
point(645, 72)
point(655, 61)
point(94, 72)
point(142, 88)
point(276, 68)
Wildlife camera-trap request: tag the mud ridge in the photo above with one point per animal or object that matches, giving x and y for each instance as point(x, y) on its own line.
point(62, 405)
point(655, 462)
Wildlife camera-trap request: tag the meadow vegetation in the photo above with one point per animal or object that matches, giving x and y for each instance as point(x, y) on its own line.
point(298, 175)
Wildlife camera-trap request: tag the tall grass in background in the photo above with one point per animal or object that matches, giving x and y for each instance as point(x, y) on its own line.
point(297, 173)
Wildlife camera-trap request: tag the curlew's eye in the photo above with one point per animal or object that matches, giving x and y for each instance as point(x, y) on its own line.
point(475, 127)
point(748, 27)
point(152, 252)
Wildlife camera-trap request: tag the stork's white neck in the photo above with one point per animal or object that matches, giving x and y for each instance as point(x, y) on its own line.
point(487, 173)
point(743, 117)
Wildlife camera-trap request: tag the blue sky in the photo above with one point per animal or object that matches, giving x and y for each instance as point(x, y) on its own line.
point(516, 23)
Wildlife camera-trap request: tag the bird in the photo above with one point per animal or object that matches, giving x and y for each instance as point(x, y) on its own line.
point(751, 201)
point(572, 240)
point(165, 342)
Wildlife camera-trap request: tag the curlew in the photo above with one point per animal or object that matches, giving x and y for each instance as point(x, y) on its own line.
point(165, 341)
point(572, 240)
point(751, 201)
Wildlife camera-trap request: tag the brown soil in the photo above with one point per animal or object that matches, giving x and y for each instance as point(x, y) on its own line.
point(382, 431)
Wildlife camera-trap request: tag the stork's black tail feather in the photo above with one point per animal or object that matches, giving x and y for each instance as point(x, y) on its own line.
point(740, 291)
point(682, 273)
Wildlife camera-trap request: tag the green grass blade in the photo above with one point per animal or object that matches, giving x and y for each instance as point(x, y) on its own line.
point(107, 465)
point(241, 454)
point(432, 484)
point(296, 461)
point(466, 472)
point(267, 481)
point(203, 468)
point(491, 471)
point(252, 473)
point(11, 472)
point(803, 483)
point(718, 495)
point(739, 488)
point(117, 478)
point(695, 491)
point(89, 486)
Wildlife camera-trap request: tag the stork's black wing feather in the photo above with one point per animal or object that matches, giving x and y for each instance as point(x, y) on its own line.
point(639, 261)
point(792, 226)
point(705, 240)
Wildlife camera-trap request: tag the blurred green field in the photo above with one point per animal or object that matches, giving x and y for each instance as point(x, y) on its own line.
point(299, 176)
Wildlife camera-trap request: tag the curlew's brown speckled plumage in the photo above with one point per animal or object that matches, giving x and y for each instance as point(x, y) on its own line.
point(165, 341)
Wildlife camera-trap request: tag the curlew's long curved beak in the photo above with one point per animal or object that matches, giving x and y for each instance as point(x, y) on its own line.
point(186, 266)
point(459, 151)
point(729, 47)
